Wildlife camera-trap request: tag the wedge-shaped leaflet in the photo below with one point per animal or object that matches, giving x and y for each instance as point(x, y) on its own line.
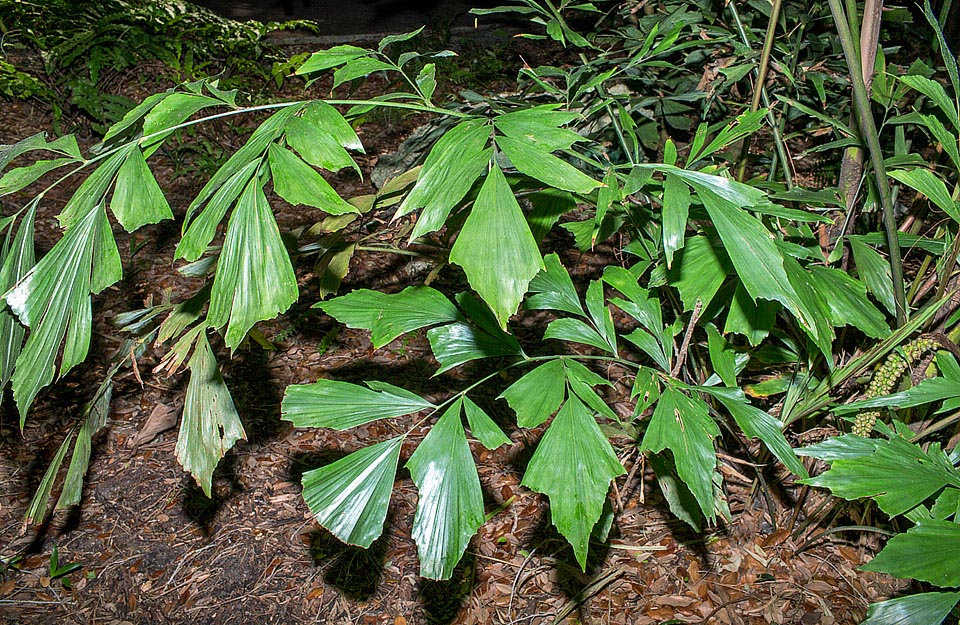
point(137, 198)
point(388, 316)
point(325, 59)
point(350, 496)
point(756, 423)
point(928, 391)
point(576, 331)
point(540, 125)
point(174, 109)
point(298, 183)
point(210, 424)
point(676, 209)
point(898, 475)
point(254, 280)
point(937, 94)
point(642, 305)
point(927, 183)
point(573, 466)
point(450, 509)
point(198, 237)
point(752, 319)
point(18, 259)
point(21, 177)
point(453, 165)
point(323, 116)
point(928, 551)
point(482, 426)
point(496, 249)
point(65, 145)
point(698, 271)
point(552, 289)
point(242, 160)
point(89, 195)
point(53, 300)
point(928, 608)
point(683, 425)
point(600, 315)
point(457, 343)
point(359, 68)
point(317, 145)
point(874, 271)
point(538, 394)
point(540, 165)
point(342, 405)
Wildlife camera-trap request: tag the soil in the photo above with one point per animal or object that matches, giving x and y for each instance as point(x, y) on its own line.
point(151, 548)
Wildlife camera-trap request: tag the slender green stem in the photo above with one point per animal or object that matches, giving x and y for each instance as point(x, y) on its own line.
point(868, 131)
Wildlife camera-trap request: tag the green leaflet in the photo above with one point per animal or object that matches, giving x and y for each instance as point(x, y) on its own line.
point(91, 191)
point(450, 508)
point(545, 167)
point(210, 424)
point(844, 300)
point(358, 68)
point(874, 270)
point(457, 343)
point(676, 209)
point(18, 259)
point(540, 125)
point(496, 249)
point(928, 551)
point(927, 183)
point(137, 198)
point(752, 319)
point(342, 405)
point(576, 331)
point(244, 159)
point(573, 465)
point(169, 112)
point(683, 425)
point(482, 426)
point(698, 271)
point(53, 300)
point(198, 236)
point(298, 183)
point(722, 356)
point(928, 608)
point(328, 119)
point(317, 145)
point(325, 59)
point(538, 394)
point(600, 316)
point(65, 145)
point(898, 474)
point(453, 165)
point(552, 289)
point(350, 496)
point(254, 280)
point(388, 316)
point(21, 177)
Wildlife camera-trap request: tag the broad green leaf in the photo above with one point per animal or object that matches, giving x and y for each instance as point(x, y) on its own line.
point(573, 465)
point(318, 146)
point(540, 125)
point(168, 113)
point(698, 271)
point(676, 209)
point(388, 316)
point(641, 305)
point(757, 423)
point(342, 405)
point(53, 300)
point(600, 315)
point(350, 496)
point(924, 181)
point(325, 59)
point(132, 117)
point(874, 270)
point(455, 162)
point(846, 446)
point(245, 159)
point(457, 343)
point(254, 280)
point(482, 426)
point(329, 120)
point(927, 608)
point(545, 167)
point(391, 39)
point(18, 259)
point(937, 94)
point(65, 145)
point(198, 236)
point(683, 425)
point(548, 206)
point(679, 499)
point(450, 508)
point(722, 356)
point(552, 289)
point(427, 80)
point(844, 300)
point(649, 346)
point(137, 198)
point(538, 394)
point(358, 68)
point(576, 331)
point(899, 475)
point(496, 249)
point(89, 195)
point(21, 177)
point(928, 551)
point(812, 317)
point(298, 183)
point(752, 319)
point(210, 424)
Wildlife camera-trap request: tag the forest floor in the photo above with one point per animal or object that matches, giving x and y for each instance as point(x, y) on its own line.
point(152, 549)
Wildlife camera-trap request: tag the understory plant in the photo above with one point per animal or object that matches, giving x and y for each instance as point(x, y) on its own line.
point(728, 305)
